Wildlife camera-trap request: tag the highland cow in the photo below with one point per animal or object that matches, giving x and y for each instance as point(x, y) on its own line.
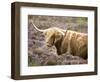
point(71, 42)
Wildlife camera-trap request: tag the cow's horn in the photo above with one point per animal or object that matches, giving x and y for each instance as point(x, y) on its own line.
point(36, 27)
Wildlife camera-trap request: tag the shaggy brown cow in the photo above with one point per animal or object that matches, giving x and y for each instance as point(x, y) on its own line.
point(71, 42)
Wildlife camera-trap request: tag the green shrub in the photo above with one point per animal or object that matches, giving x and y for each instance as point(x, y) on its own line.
point(51, 62)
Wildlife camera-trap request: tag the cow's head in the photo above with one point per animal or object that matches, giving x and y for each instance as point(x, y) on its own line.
point(52, 35)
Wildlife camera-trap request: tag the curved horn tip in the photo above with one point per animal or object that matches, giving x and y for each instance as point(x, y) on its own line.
point(36, 26)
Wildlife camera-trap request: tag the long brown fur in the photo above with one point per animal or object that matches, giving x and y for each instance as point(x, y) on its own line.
point(75, 43)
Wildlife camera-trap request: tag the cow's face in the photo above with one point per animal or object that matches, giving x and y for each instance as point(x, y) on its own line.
point(49, 37)
point(52, 36)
